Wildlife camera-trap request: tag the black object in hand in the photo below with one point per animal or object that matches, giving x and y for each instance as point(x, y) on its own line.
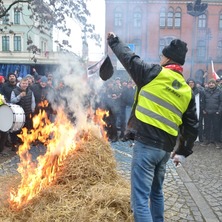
point(106, 69)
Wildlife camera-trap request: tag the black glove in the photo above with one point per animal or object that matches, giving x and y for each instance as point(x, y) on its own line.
point(129, 134)
point(185, 147)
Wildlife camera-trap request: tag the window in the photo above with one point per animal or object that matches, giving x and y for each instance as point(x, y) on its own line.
point(137, 19)
point(118, 18)
point(201, 49)
point(16, 17)
point(202, 21)
point(164, 42)
point(177, 17)
point(17, 43)
point(43, 46)
point(161, 46)
point(168, 40)
point(5, 43)
point(220, 21)
point(5, 20)
point(219, 46)
point(162, 18)
point(170, 18)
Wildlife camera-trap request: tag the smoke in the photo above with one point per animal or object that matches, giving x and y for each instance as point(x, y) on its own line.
point(74, 91)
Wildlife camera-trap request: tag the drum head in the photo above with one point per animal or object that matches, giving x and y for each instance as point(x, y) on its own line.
point(6, 118)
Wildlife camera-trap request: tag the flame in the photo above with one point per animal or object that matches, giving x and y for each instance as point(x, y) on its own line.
point(59, 138)
point(98, 119)
point(43, 103)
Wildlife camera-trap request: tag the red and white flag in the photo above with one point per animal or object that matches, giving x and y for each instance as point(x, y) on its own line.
point(214, 74)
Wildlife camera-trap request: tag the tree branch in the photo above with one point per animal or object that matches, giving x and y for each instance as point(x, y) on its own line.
point(19, 1)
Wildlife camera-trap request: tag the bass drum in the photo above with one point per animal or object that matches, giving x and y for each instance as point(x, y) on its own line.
point(12, 117)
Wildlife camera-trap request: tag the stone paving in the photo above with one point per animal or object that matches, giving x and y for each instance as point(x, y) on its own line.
point(193, 192)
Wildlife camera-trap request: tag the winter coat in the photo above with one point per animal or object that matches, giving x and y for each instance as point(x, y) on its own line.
point(143, 73)
point(212, 100)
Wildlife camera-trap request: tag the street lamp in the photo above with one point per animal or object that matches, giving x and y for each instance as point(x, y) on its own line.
point(208, 38)
point(195, 9)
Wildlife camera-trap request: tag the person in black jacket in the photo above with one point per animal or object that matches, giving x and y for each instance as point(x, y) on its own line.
point(6, 91)
point(164, 108)
point(23, 96)
point(8, 86)
point(212, 110)
point(42, 93)
point(198, 93)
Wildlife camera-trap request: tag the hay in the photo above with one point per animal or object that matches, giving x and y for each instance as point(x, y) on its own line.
point(88, 188)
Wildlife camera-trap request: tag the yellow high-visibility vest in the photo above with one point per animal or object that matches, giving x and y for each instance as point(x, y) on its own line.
point(1, 99)
point(162, 102)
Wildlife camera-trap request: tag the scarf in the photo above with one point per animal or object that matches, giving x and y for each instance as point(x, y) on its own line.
point(175, 67)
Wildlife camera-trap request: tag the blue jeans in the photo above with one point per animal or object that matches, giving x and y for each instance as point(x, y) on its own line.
point(147, 176)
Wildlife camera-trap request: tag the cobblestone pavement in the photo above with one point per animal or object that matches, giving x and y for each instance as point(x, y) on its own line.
point(193, 192)
point(204, 167)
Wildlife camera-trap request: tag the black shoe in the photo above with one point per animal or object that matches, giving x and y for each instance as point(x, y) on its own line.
point(124, 139)
point(217, 145)
point(114, 139)
point(121, 136)
point(205, 143)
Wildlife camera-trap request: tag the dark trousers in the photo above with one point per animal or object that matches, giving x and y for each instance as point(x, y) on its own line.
point(111, 128)
point(211, 127)
point(28, 124)
point(3, 138)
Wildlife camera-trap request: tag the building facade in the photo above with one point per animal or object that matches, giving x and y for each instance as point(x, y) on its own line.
point(22, 44)
point(147, 26)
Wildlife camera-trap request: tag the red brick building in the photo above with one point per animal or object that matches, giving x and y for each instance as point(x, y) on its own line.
point(147, 26)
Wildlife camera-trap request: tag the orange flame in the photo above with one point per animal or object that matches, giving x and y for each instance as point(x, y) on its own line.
point(98, 119)
point(59, 138)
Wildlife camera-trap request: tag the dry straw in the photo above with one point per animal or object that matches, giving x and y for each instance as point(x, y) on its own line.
point(88, 188)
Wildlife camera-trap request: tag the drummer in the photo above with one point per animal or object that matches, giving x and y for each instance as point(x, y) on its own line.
point(3, 135)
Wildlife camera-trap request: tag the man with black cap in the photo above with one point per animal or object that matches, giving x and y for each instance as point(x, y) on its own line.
point(164, 108)
point(212, 109)
point(8, 86)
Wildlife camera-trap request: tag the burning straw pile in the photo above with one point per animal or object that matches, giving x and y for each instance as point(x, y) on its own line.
point(88, 188)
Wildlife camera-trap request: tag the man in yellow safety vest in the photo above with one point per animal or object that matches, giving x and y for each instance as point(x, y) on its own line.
point(164, 109)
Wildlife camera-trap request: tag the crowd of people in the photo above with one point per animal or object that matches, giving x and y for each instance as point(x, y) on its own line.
point(116, 96)
point(28, 93)
point(209, 111)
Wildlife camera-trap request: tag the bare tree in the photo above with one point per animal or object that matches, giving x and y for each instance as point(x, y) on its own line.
point(49, 13)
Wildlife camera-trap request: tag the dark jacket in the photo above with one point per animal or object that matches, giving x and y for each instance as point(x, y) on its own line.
point(43, 94)
point(197, 91)
point(143, 73)
point(26, 101)
point(212, 100)
point(7, 90)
